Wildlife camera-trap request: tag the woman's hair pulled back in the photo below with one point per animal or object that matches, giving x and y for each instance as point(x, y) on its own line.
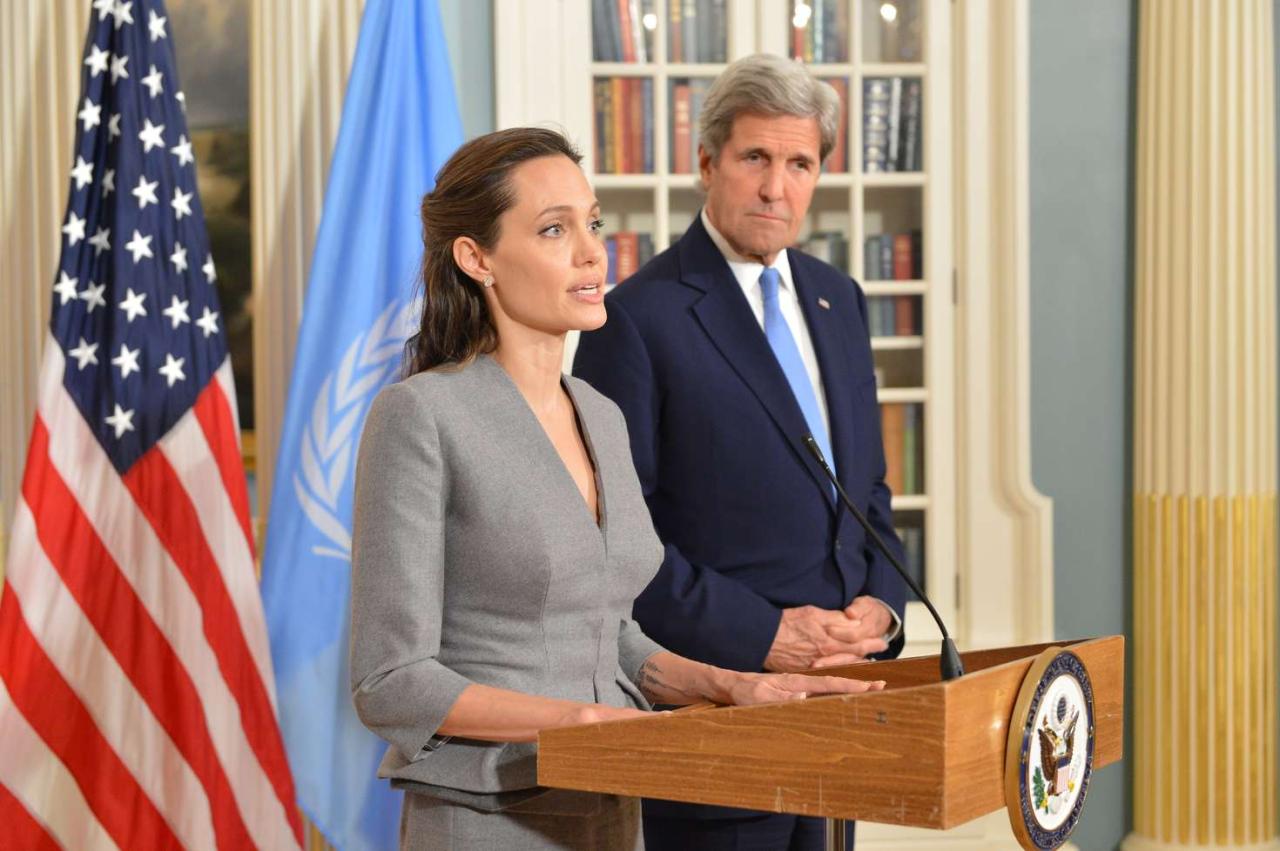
point(473, 189)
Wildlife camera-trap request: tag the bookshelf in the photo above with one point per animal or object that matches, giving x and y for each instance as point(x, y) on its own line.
point(646, 65)
point(985, 533)
point(870, 214)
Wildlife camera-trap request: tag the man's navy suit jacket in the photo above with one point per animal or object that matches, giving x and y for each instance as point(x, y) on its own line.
point(750, 524)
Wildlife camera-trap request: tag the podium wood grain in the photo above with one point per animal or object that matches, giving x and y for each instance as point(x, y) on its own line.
point(921, 752)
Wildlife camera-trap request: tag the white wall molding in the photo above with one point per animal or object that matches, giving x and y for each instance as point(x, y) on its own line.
point(1005, 526)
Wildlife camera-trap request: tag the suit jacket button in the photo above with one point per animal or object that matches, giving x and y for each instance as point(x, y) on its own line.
point(837, 543)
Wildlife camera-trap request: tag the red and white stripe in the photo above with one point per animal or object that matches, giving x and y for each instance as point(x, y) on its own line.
point(137, 707)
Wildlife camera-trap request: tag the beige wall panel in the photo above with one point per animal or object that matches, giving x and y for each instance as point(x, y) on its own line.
point(301, 53)
point(40, 49)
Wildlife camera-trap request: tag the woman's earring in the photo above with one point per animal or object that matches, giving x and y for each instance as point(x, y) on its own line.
point(488, 281)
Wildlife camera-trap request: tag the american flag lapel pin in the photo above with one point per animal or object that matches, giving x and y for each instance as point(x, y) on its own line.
point(823, 303)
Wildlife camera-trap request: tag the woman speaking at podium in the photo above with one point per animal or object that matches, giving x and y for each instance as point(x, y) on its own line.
point(500, 532)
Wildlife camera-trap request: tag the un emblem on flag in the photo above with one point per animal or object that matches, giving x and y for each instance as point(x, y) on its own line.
point(1049, 755)
point(333, 431)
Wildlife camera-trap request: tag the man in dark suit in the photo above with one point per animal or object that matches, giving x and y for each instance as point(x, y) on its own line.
point(724, 352)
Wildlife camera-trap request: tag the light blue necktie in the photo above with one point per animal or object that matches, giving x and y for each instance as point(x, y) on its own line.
point(787, 352)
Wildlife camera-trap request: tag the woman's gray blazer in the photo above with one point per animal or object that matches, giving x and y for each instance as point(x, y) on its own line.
point(476, 560)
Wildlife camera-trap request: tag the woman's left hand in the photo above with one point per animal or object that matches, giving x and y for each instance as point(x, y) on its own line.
point(745, 689)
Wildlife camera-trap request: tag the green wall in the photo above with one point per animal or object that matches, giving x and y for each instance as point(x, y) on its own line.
point(1080, 173)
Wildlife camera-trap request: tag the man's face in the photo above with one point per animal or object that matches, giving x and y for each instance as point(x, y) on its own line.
point(759, 189)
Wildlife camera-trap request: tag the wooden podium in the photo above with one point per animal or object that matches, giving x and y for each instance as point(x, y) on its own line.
point(921, 752)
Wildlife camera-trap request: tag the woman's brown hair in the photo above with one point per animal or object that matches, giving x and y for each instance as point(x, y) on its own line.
point(473, 189)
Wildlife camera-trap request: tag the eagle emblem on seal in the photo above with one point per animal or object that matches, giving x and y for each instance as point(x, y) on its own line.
point(1057, 747)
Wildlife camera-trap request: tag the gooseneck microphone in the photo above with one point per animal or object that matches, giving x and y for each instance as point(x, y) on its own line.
point(952, 667)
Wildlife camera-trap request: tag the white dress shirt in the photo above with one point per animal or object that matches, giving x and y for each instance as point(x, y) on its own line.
point(747, 273)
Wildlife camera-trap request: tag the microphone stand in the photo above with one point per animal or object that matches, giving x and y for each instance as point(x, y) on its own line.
point(951, 665)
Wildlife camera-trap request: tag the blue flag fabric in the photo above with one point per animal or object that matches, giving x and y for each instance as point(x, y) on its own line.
point(399, 124)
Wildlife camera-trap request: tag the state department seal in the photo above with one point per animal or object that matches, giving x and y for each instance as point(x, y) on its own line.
point(1049, 755)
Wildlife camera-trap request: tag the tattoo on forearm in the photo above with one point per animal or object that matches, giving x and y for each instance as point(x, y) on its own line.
point(653, 684)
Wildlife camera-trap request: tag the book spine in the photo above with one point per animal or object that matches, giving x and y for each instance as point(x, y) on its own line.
point(690, 30)
point(810, 43)
point(637, 32)
point(816, 26)
point(721, 30)
point(831, 48)
point(599, 32)
point(886, 256)
point(910, 484)
point(611, 251)
point(842, 26)
point(601, 91)
point(681, 142)
point(613, 30)
point(871, 259)
point(840, 252)
point(875, 123)
point(646, 121)
point(707, 31)
point(891, 424)
point(911, 128)
point(905, 311)
point(618, 103)
point(626, 39)
point(902, 257)
point(895, 124)
point(628, 255)
point(675, 31)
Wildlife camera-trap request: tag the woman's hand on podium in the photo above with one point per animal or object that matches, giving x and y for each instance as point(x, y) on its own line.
point(595, 713)
point(746, 689)
point(670, 679)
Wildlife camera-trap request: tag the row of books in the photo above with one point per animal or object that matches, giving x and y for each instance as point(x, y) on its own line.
point(622, 30)
point(628, 250)
point(829, 246)
point(891, 124)
point(900, 254)
point(624, 125)
point(696, 31)
point(818, 29)
point(894, 256)
point(901, 429)
point(912, 538)
point(618, 33)
point(893, 316)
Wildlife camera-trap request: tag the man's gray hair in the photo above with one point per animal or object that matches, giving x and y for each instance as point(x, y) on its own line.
point(768, 85)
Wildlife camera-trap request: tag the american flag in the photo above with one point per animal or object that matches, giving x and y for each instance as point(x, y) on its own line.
point(137, 704)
